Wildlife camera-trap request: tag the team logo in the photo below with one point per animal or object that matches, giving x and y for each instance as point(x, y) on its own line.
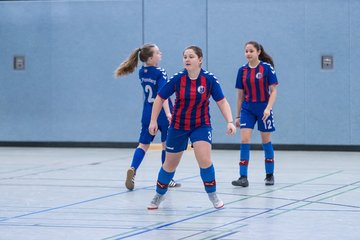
point(201, 89)
point(258, 75)
point(145, 70)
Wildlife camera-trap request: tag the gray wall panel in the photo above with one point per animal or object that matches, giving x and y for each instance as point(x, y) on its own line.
point(327, 91)
point(25, 96)
point(354, 62)
point(89, 40)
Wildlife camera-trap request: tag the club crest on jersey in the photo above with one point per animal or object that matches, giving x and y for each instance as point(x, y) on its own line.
point(258, 75)
point(201, 89)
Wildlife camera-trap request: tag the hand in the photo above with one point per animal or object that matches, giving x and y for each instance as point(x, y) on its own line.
point(266, 114)
point(231, 129)
point(237, 122)
point(169, 117)
point(153, 128)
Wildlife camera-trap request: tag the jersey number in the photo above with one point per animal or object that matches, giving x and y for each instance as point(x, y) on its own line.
point(268, 124)
point(149, 90)
point(209, 135)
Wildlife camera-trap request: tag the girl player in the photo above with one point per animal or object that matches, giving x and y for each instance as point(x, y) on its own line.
point(191, 120)
point(152, 78)
point(256, 83)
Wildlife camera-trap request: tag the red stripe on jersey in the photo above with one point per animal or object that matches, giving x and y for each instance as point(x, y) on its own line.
point(261, 84)
point(181, 98)
point(205, 101)
point(267, 88)
point(253, 85)
point(192, 92)
point(246, 87)
point(202, 99)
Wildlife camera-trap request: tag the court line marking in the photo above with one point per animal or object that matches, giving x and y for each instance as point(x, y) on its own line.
point(237, 221)
point(80, 202)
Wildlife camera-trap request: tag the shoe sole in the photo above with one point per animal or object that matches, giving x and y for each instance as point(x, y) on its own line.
point(269, 184)
point(238, 185)
point(129, 177)
point(222, 206)
point(152, 208)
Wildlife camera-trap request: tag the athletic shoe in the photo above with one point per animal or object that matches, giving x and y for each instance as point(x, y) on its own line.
point(155, 202)
point(269, 180)
point(130, 178)
point(173, 184)
point(215, 200)
point(242, 182)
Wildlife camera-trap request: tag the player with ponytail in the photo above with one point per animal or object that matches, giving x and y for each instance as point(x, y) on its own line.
point(152, 79)
point(256, 83)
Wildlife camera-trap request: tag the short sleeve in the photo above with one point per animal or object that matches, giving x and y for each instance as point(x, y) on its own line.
point(162, 79)
point(272, 76)
point(239, 83)
point(216, 91)
point(168, 89)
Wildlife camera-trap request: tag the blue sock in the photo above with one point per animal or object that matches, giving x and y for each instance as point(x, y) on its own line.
point(137, 158)
point(208, 178)
point(163, 156)
point(164, 178)
point(244, 159)
point(269, 157)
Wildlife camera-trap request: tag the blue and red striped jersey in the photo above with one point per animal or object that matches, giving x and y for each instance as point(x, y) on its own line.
point(256, 81)
point(191, 108)
point(152, 80)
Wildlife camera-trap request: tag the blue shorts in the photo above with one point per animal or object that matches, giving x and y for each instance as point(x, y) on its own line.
point(147, 138)
point(252, 113)
point(177, 140)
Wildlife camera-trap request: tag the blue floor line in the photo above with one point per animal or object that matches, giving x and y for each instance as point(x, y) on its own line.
point(239, 220)
point(78, 203)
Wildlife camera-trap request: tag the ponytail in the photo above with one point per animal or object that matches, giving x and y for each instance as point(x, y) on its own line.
point(264, 56)
point(129, 65)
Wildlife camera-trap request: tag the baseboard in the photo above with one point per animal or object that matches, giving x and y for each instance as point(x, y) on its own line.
point(223, 146)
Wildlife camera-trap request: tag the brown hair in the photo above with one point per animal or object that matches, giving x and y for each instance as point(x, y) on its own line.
point(263, 55)
point(129, 65)
point(196, 49)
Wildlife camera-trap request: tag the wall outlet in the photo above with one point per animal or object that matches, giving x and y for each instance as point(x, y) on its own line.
point(19, 62)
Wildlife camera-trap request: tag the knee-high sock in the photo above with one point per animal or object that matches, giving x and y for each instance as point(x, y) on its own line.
point(163, 180)
point(163, 156)
point(208, 178)
point(137, 158)
point(244, 159)
point(269, 157)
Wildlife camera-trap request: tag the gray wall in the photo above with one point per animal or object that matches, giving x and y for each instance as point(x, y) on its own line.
point(67, 91)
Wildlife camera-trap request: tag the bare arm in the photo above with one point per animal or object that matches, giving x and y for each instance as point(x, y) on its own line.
point(272, 98)
point(167, 109)
point(240, 99)
point(226, 112)
point(157, 105)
